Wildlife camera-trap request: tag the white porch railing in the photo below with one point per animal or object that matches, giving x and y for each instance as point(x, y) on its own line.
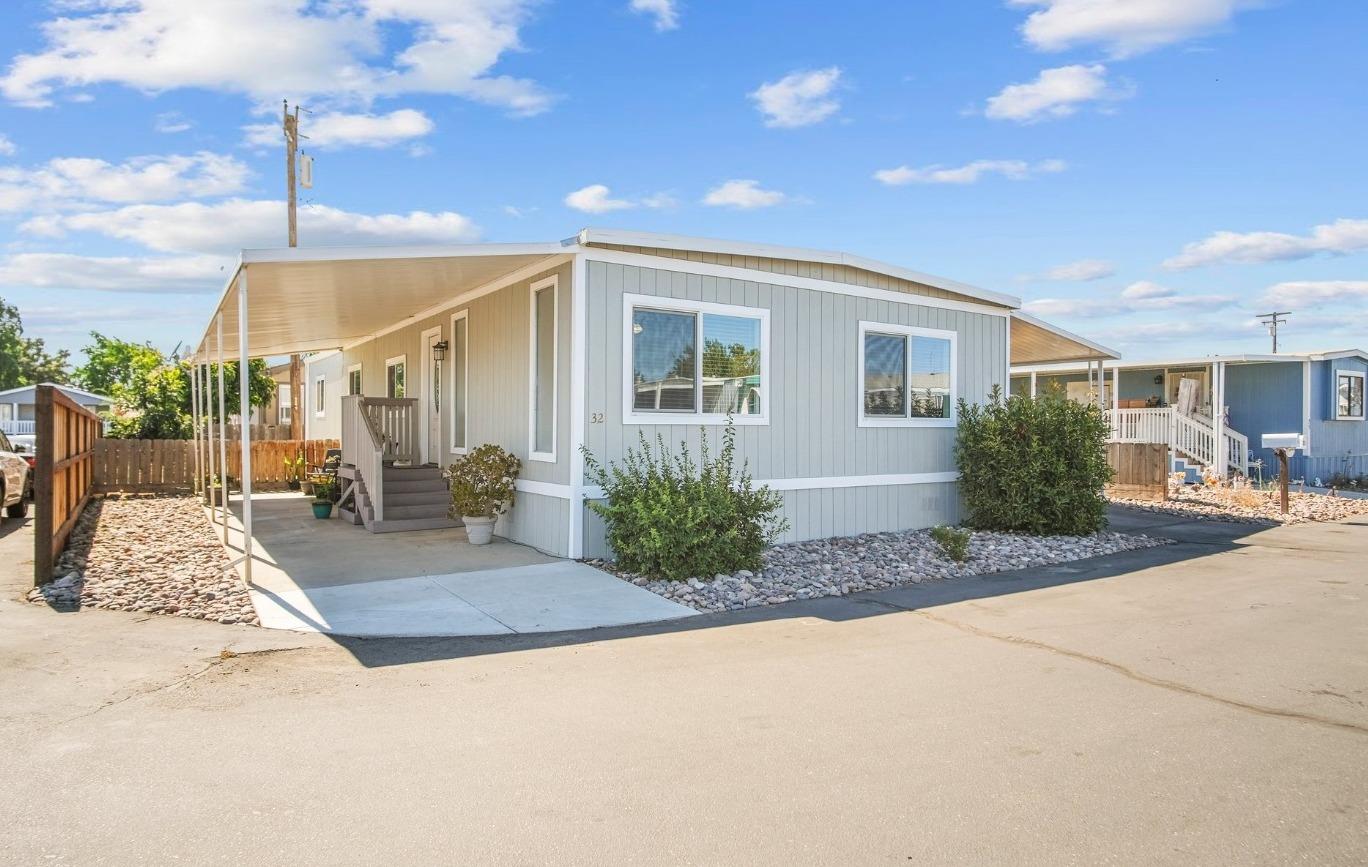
point(376, 430)
point(18, 426)
point(1193, 436)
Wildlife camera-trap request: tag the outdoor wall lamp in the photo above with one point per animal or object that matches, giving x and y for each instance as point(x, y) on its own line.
point(439, 350)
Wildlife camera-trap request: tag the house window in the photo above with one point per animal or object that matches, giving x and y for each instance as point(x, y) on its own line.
point(542, 388)
point(695, 361)
point(907, 376)
point(320, 392)
point(1349, 395)
point(394, 376)
point(459, 382)
point(354, 379)
point(283, 399)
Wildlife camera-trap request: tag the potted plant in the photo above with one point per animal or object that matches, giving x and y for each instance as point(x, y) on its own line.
point(211, 490)
point(323, 498)
point(482, 489)
point(294, 468)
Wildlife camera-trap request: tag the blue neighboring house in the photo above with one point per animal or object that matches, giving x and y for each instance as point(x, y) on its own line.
point(1319, 395)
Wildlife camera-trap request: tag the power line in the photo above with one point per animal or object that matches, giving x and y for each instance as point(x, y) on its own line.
point(1272, 321)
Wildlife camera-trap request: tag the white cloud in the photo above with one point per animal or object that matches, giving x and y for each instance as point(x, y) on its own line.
point(1016, 170)
point(66, 181)
point(234, 224)
point(1057, 92)
point(665, 12)
point(799, 99)
point(331, 130)
point(1123, 27)
point(598, 199)
point(1339, 237)
point(1081, 271)
point(340, 52)
point(1139, 297)
point(112, 273)
point(1296, 294)
point(171, 122)
point(7, 147)
point(743, 194)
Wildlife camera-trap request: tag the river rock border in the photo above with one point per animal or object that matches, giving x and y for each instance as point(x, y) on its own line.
point(149, 554)
point(875, 561)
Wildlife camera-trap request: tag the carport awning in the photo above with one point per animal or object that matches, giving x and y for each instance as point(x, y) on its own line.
point(318, 298)
point(1035, 341)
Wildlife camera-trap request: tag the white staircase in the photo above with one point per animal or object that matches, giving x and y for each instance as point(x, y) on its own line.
point(382, 488)
point(1192, 437)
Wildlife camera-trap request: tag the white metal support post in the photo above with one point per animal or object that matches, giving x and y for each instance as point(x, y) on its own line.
point(223, 436)
point(1116, 390)
point(1218, 417)
point(244, 412)
point(194, 423)
point(207, 419)
point(1033, 383)
point(579, 352)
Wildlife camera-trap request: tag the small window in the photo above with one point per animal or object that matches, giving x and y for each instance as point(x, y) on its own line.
point(283, 399)
point(320, 392)
point(907, 376)
point(1349, 395)
point(354, 379)
point(543, 386)
point(394, 376)
point(459, 382)
point(669, 376)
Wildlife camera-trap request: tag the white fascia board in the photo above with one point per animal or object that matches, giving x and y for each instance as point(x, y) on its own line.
point(1071, 366)
point(772, 251)
point(285, 255)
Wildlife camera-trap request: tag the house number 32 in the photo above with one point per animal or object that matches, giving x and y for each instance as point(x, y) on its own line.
point(596, 418)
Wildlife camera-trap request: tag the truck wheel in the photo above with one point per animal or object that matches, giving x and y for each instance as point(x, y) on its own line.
point(18, 510)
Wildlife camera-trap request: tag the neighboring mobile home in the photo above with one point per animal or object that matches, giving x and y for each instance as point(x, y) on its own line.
point(17, 406)
point(1319, 395)
point(840, 373)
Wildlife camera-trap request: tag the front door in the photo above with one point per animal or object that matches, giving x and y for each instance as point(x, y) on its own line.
point(430, 400)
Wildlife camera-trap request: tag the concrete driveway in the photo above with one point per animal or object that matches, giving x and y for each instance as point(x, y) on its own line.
point(1206, 702)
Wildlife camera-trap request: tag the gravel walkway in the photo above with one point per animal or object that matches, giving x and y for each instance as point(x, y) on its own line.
point(1249, 506)
point(875, 561)
point(156, 555)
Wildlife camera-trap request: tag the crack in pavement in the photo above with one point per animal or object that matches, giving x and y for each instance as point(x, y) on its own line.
point(1173, 686)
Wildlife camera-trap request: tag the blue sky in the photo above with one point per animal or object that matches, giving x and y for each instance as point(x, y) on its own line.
point(1151, 173)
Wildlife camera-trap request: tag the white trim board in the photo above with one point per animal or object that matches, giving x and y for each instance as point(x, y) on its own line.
point(820, 483)
point(769, 278)
point(464, 448)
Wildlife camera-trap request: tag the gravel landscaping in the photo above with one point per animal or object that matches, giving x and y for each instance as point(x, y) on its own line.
point(152, 554)
point(1247, 506)
point(874, 561)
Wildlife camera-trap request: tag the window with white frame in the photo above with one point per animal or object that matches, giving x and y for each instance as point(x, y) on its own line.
point(542, 387)
point(695, 361)
point(459, 382)
point(354, 379)
point(907, 376)
point(1349, 395)
point(395, 375)
point(320, 392)
point(283, 402)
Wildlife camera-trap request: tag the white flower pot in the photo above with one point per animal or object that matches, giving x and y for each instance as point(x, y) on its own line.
point(479, 531)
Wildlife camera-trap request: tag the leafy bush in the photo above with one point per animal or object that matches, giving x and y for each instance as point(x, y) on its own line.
point(1033, 465)
point(668, 516)
point(482, 482)
point(953, 541)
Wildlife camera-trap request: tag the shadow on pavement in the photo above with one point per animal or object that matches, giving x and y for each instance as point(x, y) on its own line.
point(1192, 540)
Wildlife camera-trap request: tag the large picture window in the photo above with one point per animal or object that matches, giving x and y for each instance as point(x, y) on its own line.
point(907, 376)
point(1349, 395)
point(695, 361)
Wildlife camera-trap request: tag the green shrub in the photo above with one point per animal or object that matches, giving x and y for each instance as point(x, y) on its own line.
point(670, 517)
point(953, 541)
point(482, 482)
point(1033, 465)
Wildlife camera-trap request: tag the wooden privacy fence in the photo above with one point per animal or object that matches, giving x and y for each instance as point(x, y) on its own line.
point(169, 465)
point(64, 475)
point(1141, 470)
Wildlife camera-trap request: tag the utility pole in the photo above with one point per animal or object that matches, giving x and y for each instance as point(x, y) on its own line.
point(290, 125)
point(1273, 320)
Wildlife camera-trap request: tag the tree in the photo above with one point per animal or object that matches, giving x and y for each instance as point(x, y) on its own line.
point(260, 383)
point(25, 360)
point(112, 364)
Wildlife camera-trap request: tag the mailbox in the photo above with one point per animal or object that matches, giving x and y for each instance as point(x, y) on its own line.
point(1289, 441)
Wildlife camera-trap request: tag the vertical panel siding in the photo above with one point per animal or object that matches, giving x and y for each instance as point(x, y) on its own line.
point(813, 397)
point(1337, 447)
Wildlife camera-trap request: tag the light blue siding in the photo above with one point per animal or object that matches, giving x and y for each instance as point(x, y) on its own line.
point(1337, 447)
point(1264, 398)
